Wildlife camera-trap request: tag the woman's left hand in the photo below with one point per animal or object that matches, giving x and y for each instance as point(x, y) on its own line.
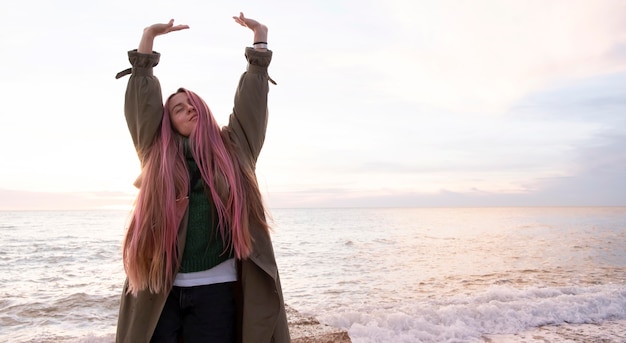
point(250, 23)
point(260, 30)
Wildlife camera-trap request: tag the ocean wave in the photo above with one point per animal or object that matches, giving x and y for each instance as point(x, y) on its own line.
point(498, 310)
point(87, 306)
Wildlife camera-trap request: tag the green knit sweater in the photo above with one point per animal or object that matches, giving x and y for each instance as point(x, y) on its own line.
point(204, 246)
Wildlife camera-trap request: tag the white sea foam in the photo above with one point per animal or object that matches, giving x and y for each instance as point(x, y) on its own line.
point(499, 310)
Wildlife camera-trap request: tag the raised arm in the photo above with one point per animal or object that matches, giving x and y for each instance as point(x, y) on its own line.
point(143, 106)
point(249, 118)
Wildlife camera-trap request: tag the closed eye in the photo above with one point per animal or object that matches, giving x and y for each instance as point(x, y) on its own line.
point(178, 108)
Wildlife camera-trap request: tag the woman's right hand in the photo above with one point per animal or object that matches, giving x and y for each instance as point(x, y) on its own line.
point(147, 39)
point(161, 29)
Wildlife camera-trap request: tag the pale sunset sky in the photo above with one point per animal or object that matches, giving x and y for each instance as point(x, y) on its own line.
point(379, 103)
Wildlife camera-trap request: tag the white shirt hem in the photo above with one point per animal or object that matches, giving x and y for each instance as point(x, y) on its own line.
point(223, 272)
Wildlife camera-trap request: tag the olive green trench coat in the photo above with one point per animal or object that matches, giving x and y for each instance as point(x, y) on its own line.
point(261, 310)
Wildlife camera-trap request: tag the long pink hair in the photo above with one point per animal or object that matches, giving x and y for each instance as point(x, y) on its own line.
point(150, 246)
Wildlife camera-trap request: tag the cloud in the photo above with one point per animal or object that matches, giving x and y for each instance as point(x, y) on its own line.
point(600, 178)
point(562, 146)
point(596, 99)
point(486, 55)
point(392, 102)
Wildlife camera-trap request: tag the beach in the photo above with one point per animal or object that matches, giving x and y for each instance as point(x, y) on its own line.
point(612, 332)
point(305, 329)
point(364, 275)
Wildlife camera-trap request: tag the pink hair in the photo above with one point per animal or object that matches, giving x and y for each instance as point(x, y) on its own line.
point(150, 247)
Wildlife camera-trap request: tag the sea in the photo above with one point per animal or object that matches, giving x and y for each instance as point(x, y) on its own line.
point(520, 274)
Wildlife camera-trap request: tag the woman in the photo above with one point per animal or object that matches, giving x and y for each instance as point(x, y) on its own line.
point(198, 256)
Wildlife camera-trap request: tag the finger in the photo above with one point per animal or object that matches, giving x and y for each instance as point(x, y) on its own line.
point(180, 27)
point(239, 21)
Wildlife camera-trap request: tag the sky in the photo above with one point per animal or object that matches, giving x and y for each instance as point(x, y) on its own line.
point(377, 104)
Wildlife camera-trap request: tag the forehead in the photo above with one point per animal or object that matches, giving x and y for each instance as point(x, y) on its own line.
point(177, 98)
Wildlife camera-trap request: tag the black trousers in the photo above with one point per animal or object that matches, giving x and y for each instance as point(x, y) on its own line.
point(198, 314)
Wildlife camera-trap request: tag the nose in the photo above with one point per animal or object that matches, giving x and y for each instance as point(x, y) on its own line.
point(190, 108)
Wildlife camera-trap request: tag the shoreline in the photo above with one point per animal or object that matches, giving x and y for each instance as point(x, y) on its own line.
point(304, 329)
point(606, 332)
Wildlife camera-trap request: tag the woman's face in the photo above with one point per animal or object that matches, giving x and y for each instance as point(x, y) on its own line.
point(182, 114)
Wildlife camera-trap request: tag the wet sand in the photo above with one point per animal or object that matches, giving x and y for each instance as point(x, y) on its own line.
point(305, 329)
point(607, 332)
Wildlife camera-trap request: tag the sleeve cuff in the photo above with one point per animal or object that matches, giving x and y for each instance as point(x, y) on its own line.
point(141, 60)
point(142, 64)
point(258, 61)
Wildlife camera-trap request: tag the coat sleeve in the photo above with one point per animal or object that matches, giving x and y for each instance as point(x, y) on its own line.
point(143, 105)
point(248, 121)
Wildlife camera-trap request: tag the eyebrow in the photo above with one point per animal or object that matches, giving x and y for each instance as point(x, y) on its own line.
point(178, 104)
